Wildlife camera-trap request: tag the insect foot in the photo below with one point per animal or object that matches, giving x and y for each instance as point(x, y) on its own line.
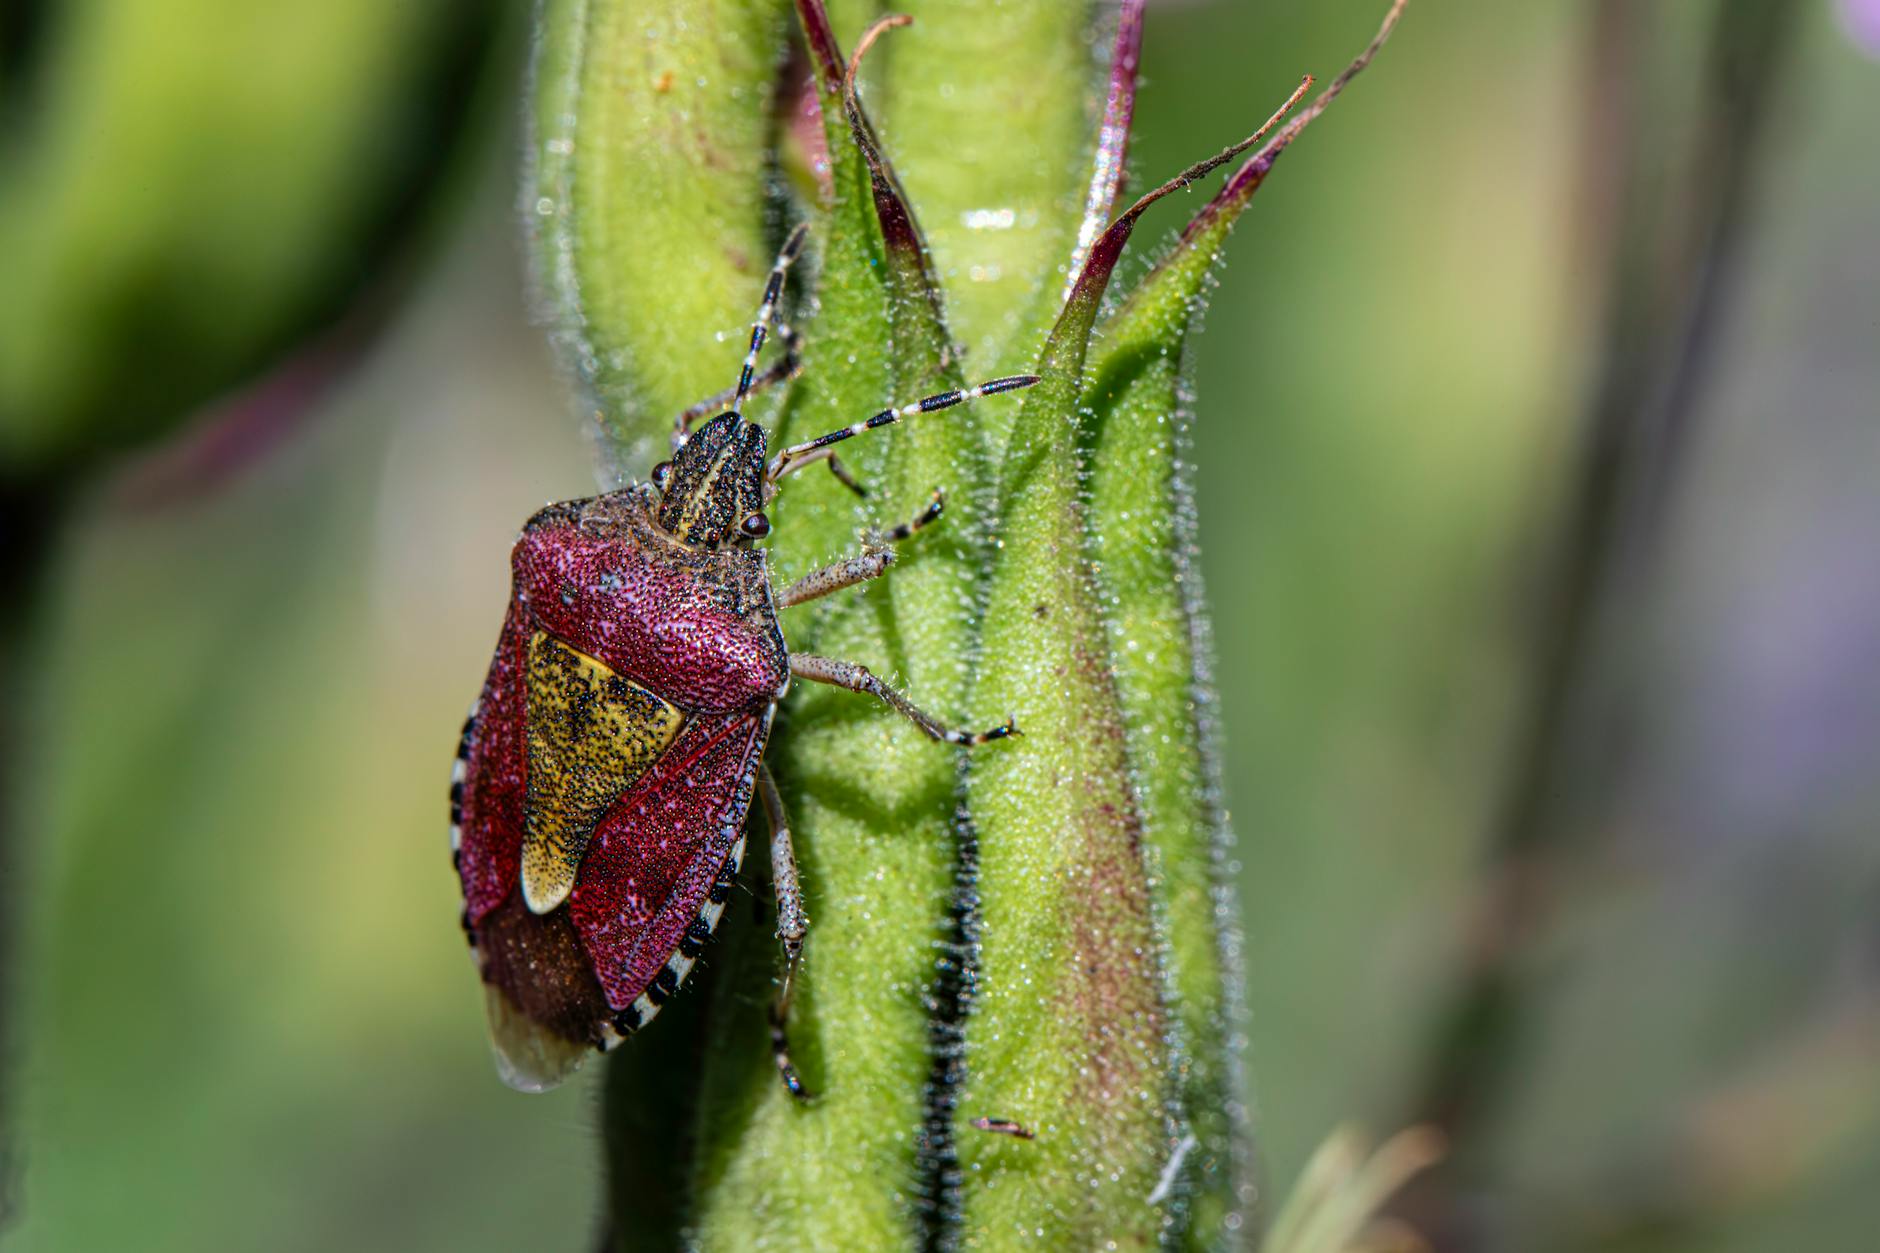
point(846, 674)
point(780, 1051)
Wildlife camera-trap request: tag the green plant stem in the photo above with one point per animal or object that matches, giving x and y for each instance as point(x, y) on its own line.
point(871, 798)
point(1082, 972)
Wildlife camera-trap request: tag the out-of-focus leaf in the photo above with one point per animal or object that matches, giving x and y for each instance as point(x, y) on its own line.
point(1336, 1205)
point(202, 182)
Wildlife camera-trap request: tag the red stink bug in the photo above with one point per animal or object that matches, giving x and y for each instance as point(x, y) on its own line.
point(603, 778)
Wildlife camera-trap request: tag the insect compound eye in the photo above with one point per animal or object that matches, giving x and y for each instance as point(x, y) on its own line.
point(756, 526)
point(662, 475)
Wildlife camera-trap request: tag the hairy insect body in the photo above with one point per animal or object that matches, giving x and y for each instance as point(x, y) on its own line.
point(698, 622)
point(632, 684)
point(602, 781)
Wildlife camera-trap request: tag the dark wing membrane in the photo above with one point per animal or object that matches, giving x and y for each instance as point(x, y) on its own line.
point(546, 1009)
point(650, 869)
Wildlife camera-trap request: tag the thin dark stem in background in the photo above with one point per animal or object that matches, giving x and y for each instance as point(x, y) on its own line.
point(1673, 259)
point(28, 522)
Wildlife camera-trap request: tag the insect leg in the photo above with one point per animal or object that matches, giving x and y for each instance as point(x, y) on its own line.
point(792, 926)
point(927, 516)
point(792, 922)
point(844, 477)
point(784, 368)
point(792, 457)
point(761, 327)
point(847, 674)
point(872, 562)
point(836, 467)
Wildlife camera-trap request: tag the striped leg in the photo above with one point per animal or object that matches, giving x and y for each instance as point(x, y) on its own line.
point(913, 525)
point(792, 926)
point(846, 674)
point(836, 467)
point(871, 563)
point(793, 457)
point(844, 477)
point(783, 369)
point(761, 327)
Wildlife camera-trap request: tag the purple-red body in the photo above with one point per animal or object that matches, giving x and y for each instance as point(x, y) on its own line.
point(694, 626)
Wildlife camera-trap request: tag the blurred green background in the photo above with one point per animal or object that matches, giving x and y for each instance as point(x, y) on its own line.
point(243, 1016)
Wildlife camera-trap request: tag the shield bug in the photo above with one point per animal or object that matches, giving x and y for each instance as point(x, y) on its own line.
point(602, 781)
